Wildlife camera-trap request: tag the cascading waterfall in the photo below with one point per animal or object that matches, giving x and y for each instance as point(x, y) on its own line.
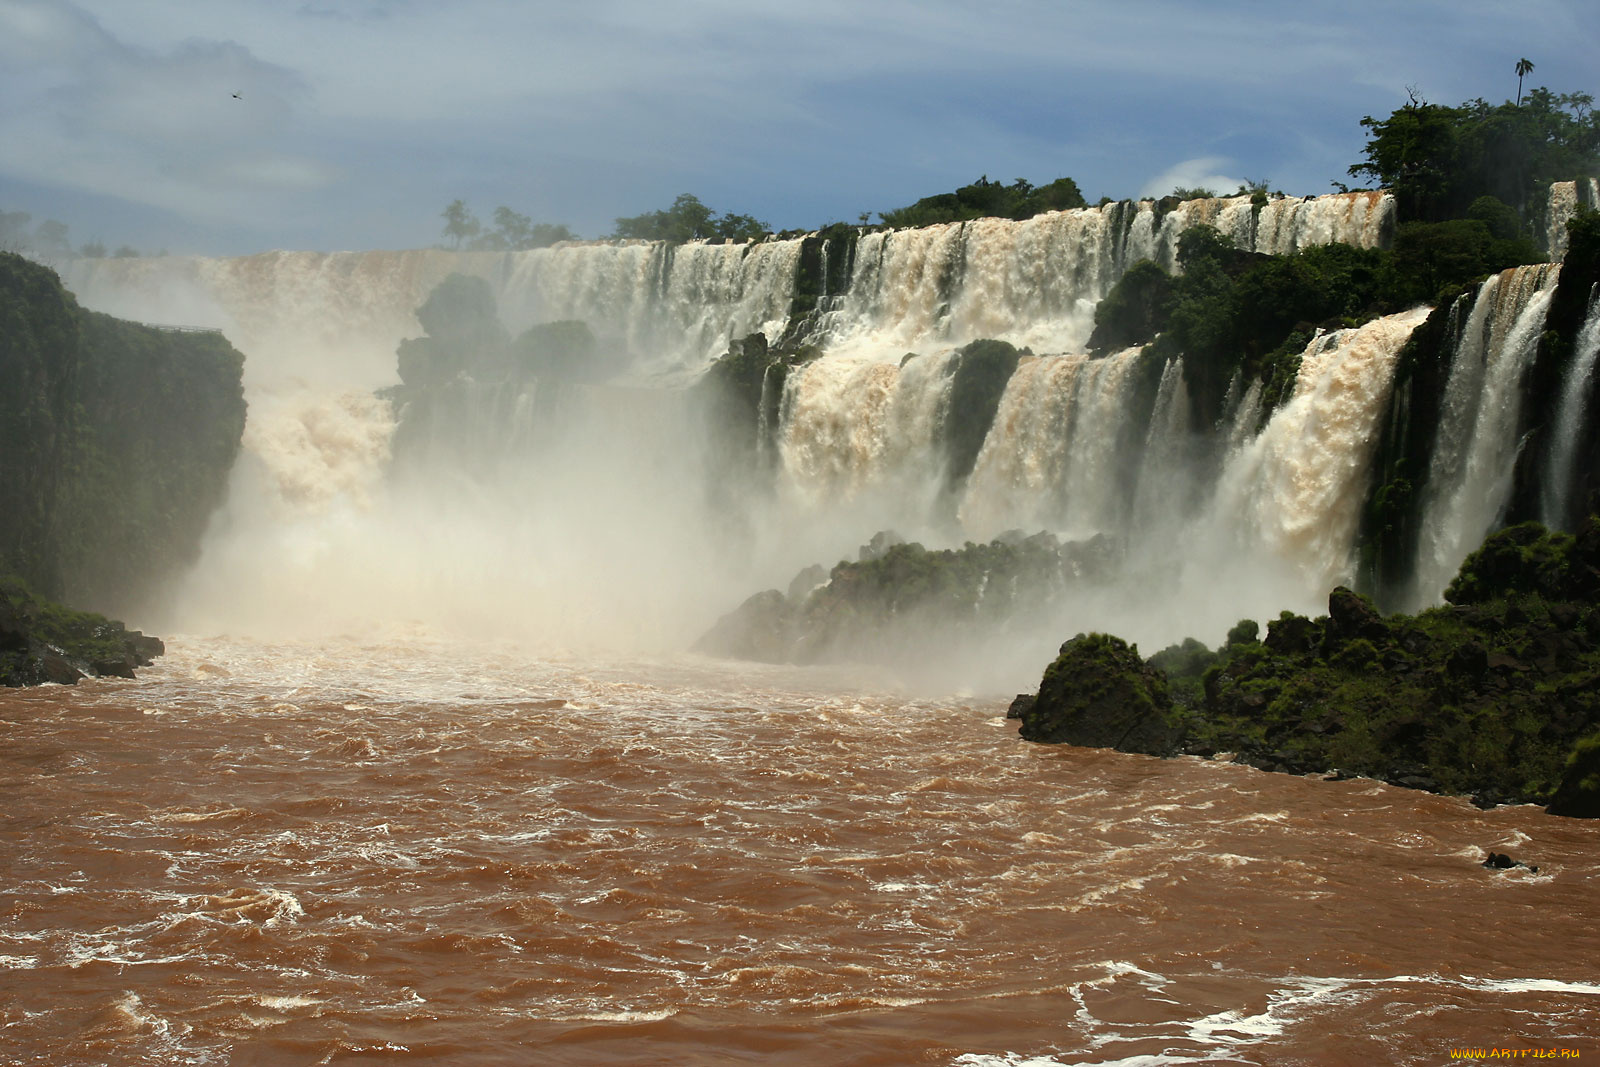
point(1288, 224)
point(1164, 493)
point(851, 427)
point(1475, 449)
point(1034, 282)
point(1051, 459)
point(673, 307)
point(1574, 405)
point(667, 307)
point(1070, 452)
point(1293, 493)
point(1566, 198)
point(537, 492)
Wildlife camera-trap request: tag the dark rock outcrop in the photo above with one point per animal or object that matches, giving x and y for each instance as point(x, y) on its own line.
point(1100, 694)
point(760, 629)
point(1578, 794)
point(45, 642)
point(1494, 696)
point(116, 443)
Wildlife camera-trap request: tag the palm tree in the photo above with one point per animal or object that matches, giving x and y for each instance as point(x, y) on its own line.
point(1524, 68)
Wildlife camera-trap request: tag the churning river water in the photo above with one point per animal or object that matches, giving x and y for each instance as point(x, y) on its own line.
point(408, 851)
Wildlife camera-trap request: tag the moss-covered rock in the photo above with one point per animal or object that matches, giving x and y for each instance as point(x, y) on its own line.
point(561, 351)
point(1098, 693)
point(1496, 695)
point(464, 336)
point(979, 373)
point(1579, 792)
point(761, 629)
point(41, 641)
point(896, 597)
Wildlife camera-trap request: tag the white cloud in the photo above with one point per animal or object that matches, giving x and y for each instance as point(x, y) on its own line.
point(359, 119)
point(1203, 173)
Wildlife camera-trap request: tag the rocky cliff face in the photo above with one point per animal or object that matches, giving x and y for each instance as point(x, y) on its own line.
point(117, 441)
point(1491, 694)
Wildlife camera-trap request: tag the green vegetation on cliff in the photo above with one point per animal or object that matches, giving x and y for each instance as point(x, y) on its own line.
point(117, 442)
point(689, 220)
point(1438, 161)
point(1492, 694)
point(987, 199)
point(44, 642)
point(1232, 312)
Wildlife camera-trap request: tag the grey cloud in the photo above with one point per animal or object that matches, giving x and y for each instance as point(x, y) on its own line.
point(163, 127)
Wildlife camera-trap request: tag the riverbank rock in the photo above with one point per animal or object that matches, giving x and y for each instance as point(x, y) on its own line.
point(760, 629)
point(1490, 696)
point(1100, 694)
point(44, 642)
point(1579, 792)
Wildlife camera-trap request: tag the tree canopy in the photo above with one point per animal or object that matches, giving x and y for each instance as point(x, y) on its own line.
point(987, 199)
point(1438, 160)
point(513, 231)
point(690, 220)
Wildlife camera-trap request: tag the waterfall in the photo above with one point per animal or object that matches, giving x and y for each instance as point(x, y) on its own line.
point(1052, 458)
point(315, 314)
point(1573, 406)
point(592, 508)
point(1165, 488)
point(1565, 200)
point(1288, 224)
point(1034, 282)
point(1294, 492)
point(1475, 449)
point(850, 427)
point(672, 309)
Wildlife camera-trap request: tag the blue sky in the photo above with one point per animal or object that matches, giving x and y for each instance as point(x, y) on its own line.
point(358, 121)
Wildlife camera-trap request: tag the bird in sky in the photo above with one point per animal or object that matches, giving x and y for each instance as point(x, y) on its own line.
point(236, 96)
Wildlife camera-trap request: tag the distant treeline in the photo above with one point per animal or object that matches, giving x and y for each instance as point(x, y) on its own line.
point(47, 241)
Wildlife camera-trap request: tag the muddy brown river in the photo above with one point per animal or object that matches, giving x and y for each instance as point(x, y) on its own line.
point(412, 852)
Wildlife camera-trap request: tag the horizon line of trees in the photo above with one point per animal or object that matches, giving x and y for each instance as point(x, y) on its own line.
point(47, 241)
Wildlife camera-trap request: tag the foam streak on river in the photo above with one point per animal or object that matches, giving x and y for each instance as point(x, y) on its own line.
point(410, 852)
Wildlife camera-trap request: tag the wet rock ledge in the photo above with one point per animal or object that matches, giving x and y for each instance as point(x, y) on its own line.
point(1494, 694)
point(44, 642)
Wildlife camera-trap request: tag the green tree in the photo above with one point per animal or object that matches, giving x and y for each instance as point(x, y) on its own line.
point(545, 234)
point(50, 241)
point(1524, 68)
point(1412, 153)
point(1439, 160)
point(987, 199)
point(512, 229)
point(689, 220)
point(459, 223)
point(15, 231)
